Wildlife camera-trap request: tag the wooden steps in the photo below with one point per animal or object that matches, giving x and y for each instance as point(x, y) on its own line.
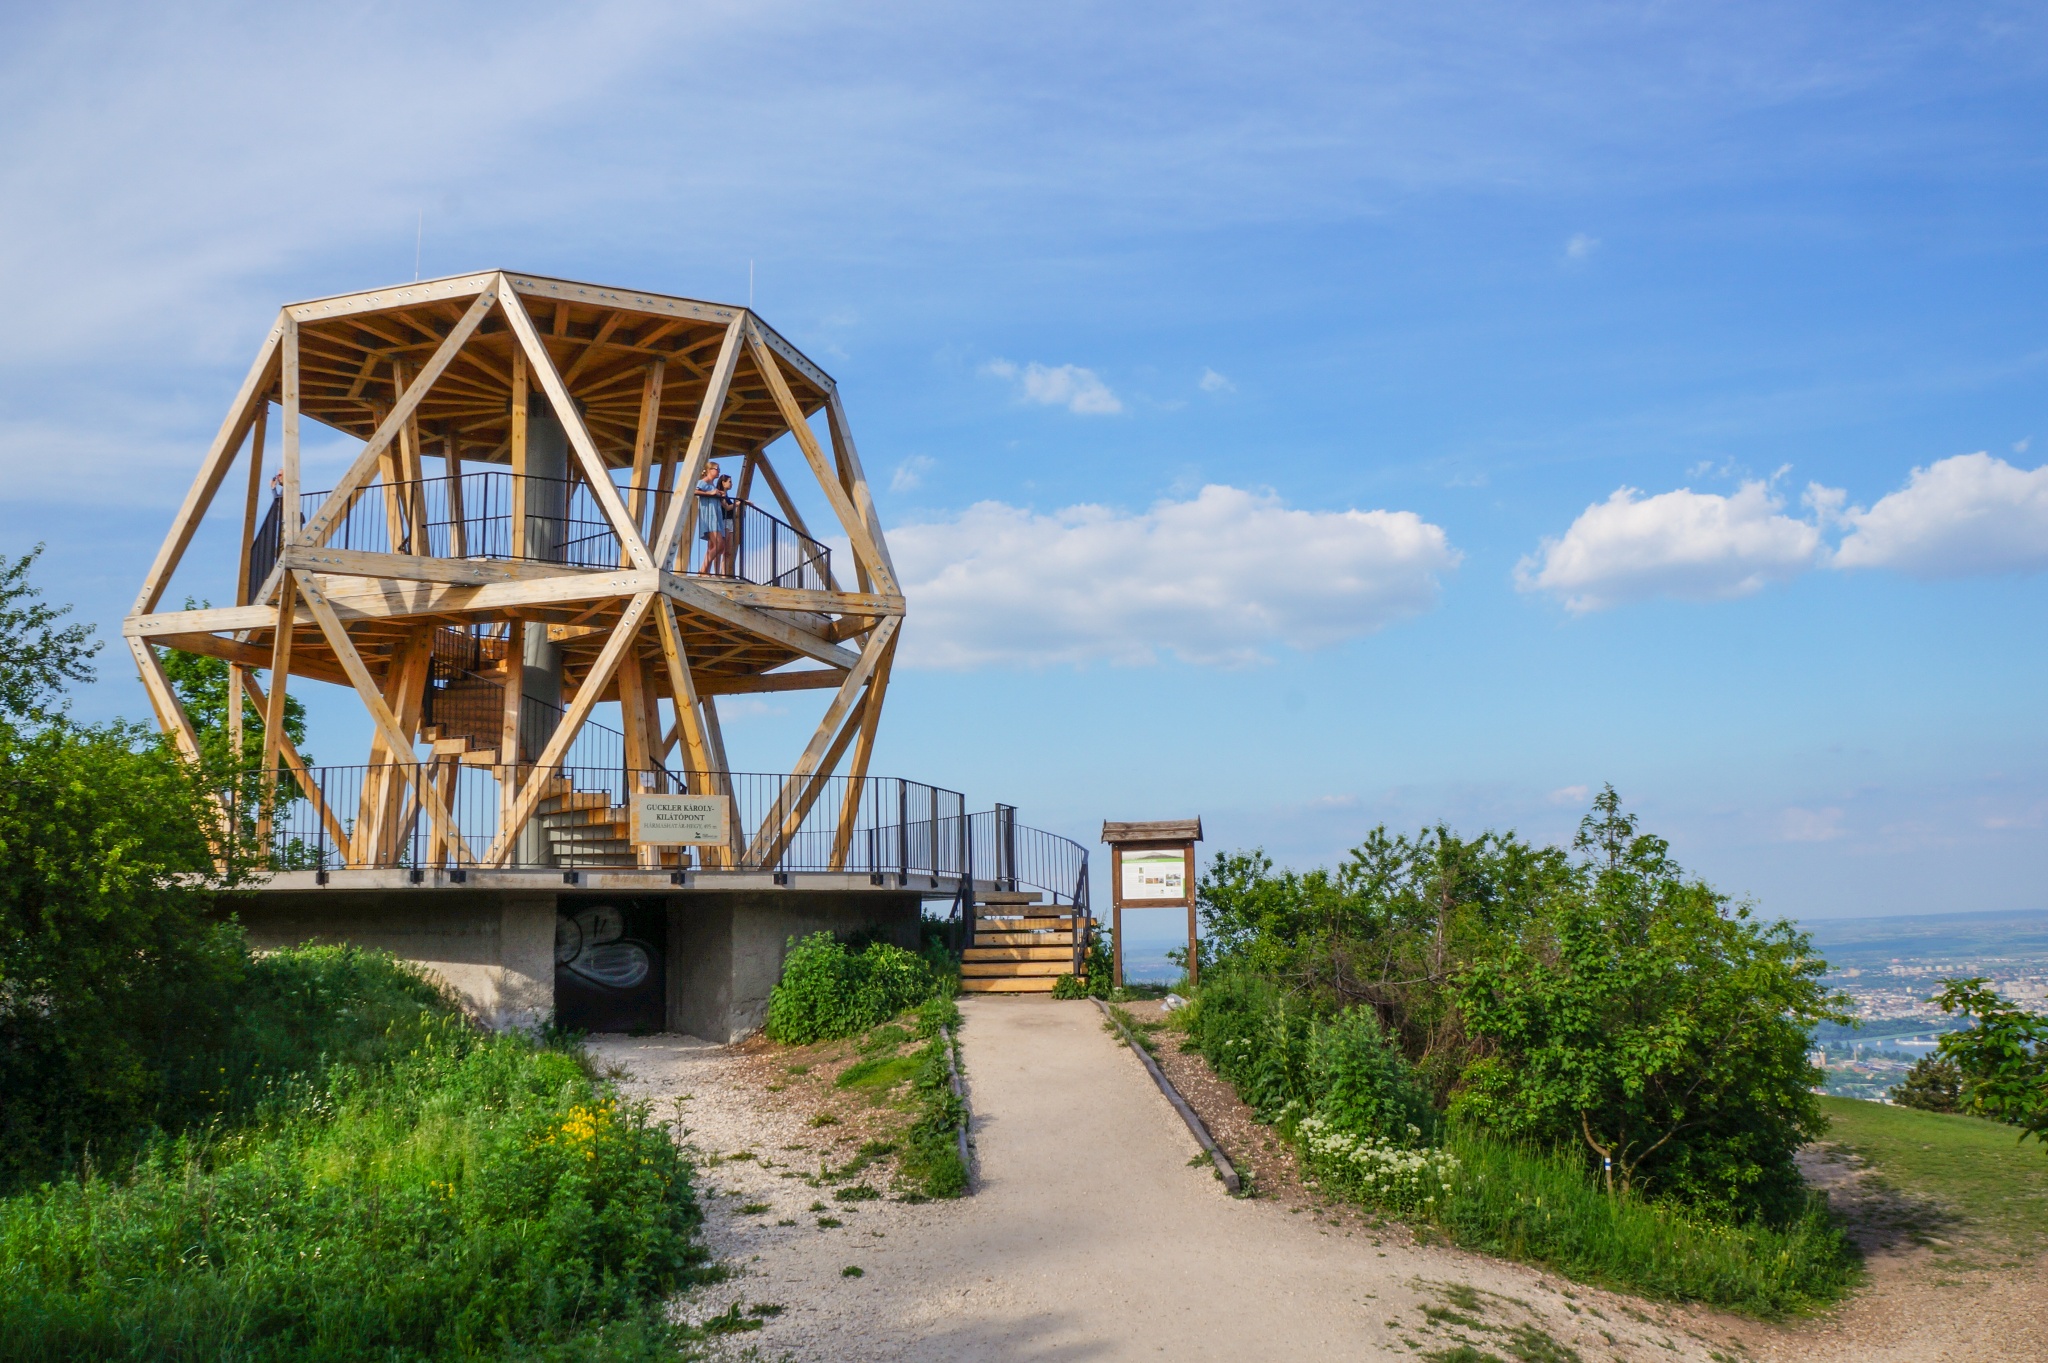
point(971, 985)
point(1022, 945)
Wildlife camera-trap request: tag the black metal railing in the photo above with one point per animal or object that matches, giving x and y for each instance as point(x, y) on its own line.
point(913, 834)
point(544, 520)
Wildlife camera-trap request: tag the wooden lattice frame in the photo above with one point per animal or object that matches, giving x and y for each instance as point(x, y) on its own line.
point(641, 381)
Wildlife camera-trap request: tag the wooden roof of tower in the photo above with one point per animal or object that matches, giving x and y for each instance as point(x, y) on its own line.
point(600, 339)
point(428, 370)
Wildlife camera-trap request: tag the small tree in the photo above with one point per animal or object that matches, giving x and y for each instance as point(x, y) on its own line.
point(1646, 1022)
point(2002, 1061)
point(1934, 1084)
point(114, 970)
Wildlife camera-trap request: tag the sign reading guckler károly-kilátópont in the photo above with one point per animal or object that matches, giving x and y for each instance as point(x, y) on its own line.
point(681, 820)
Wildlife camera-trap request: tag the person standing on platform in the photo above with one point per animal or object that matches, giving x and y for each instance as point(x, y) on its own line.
point(714, 521)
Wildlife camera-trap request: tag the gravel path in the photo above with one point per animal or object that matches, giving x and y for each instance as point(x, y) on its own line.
point(1091, 1235)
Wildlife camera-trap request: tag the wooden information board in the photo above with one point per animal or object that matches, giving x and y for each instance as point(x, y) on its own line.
point(1152, 866)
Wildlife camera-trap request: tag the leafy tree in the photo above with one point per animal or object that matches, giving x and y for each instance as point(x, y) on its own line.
point(1642, 1020)
point(37, 654)
point(114, 969)
point(1934, 1084)
point(201, 682)
point(2002, 1061)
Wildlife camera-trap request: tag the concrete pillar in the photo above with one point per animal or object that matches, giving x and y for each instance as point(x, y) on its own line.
point(547, 503)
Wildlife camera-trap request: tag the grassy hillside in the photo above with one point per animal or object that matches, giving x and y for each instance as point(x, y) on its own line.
point(1974, 1168)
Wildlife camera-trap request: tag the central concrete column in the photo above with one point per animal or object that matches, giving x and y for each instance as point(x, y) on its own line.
point(547, 506)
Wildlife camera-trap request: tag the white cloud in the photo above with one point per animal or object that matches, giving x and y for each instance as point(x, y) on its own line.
point(1079, 390)
point(1698, 546)
point(1569, 795)
point(1213, 382)
point(909, 474)
point(1580, 246)
point(1213, 580)
point(1810, 825)
point(1966, 515)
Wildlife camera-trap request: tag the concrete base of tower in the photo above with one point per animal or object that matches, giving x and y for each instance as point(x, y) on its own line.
point(700, 961)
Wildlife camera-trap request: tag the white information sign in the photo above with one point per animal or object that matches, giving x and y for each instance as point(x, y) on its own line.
point(681, 820)
point(1160, 875)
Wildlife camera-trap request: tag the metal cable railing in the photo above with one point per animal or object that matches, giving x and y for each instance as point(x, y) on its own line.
point(543, 520)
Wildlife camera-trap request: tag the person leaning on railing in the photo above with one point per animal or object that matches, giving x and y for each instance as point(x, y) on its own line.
point(714, 518)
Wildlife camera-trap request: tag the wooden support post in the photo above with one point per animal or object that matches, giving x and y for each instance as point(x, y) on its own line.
point(163, 698)
point(366, 688)
point(509, 755)
point(856, 478)
point(594, 683)
point(243, 586)
point(643, 447)
point(273, 713)
point(799, 808)
point(683, 689)
point(458, 514)
point(521, 399)
point(288, 452)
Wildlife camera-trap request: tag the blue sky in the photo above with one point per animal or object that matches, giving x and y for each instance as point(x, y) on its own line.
point(1300, 416)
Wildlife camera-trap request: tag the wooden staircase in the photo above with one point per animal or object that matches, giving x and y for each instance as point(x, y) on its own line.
point(1021, 945)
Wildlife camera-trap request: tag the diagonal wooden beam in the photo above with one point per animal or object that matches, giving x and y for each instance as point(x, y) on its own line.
point(290, 753)
point(841, 431)
point(163, 698)
point(701, 433)
point(828, 728)
point(863, 749)
point(387, 430)
point(594, 470)
point(696, 754)
point(212, 469)
point(594, 684)
point(799, 809)
point(373, 700)
point(850, 518)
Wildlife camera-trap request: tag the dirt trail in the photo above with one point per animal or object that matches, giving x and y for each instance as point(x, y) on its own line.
point(1092, 1236)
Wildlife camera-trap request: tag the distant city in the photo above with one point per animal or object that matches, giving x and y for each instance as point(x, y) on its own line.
point(1892, 967)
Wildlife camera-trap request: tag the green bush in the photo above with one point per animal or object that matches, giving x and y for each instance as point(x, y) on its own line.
point(1362, 1083)
point(1255, 1033)
point(444, 1195)
point(828, 991)
point(1933, 1084)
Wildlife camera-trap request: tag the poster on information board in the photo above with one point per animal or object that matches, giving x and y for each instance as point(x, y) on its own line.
point(1152, 866)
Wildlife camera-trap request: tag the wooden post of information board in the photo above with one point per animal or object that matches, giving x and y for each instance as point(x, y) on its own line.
point(1161, 861)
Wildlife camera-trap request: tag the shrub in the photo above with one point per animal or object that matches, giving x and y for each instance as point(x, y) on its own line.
point(828, 992)
point(931, 1154)
point(2002, 1062)
point(1361, 1082)
point(1254, 1033)
point(1934, 1084)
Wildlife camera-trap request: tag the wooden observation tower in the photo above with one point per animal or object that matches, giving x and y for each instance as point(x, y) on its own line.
point(518, 541)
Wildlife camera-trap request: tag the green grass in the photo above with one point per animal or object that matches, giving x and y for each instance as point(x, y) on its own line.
point(1975, 1169)
point(1527, 1205)
point(452, 1195)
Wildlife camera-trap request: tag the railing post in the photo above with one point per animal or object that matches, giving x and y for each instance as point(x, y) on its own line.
point(1006, 846)
point(902, 832)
